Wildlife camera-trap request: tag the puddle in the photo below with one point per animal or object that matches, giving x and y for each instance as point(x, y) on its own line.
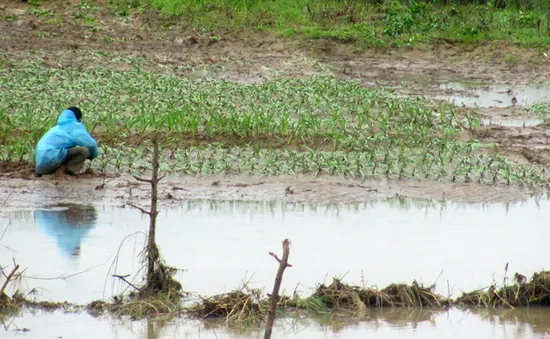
point(222, 244)
point(512, 122)
point(387, 324)
point(494, 95)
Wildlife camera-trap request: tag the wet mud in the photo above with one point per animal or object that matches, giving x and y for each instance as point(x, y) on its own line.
point(256, 58)
point(32, 192)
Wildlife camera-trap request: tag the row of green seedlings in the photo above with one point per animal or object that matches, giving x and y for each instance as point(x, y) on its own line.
point(402, 132)
point(415, 124)
point(280, 107)
point(411, 128)
point(452, 164)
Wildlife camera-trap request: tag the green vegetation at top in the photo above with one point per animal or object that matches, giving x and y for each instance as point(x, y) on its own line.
point(318, 125)
point(377, 23)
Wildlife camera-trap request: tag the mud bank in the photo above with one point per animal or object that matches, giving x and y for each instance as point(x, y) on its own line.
point(19, 193)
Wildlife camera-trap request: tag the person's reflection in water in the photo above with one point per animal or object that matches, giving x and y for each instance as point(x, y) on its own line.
point(68, 225)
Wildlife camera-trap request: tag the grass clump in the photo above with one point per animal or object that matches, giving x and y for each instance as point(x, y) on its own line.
point(339, 296)
point(535, 292)
point(162, 295)
point(138, 305)
point(540, 110)
point(239, 307)
point(9, 305)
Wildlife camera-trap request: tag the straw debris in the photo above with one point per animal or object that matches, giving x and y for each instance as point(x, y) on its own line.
point(16, 303)
point(535, 292)
point(340, 296)
point(237, 307)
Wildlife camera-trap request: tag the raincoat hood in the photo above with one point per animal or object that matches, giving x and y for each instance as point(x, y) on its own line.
point(66, 117)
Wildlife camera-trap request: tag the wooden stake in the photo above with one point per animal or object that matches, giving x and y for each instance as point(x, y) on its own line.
point(283, 263)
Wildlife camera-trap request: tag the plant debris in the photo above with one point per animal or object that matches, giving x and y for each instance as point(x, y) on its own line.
point(236, 307)
point(535, 292)
point(340, 296)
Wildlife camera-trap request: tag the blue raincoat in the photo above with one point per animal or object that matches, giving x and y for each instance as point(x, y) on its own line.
point(51, 150)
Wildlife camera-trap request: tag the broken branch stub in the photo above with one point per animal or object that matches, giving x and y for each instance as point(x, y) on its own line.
point(283, 263)
point(8, 279)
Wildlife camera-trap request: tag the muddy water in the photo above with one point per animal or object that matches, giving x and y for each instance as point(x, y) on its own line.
point(387, 324)
point(512, 122)
point(71, 252)
point(493, 95)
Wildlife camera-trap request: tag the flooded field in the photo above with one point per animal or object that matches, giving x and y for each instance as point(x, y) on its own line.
point(387, 324)
point(71, 251)
point(459, 246)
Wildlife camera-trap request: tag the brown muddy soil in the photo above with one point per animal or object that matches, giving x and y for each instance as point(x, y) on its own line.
point(66, 38)
point(521, 144)
point(23, 193)
point(69, 40)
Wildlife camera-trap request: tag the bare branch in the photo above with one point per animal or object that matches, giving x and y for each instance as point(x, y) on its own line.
point(139, 208)
point(142, 179)
point(279, 260)
point(275, 256)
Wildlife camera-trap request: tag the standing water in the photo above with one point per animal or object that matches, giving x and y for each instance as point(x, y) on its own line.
point(70, 253)
point(494, 95)
point(382, 324)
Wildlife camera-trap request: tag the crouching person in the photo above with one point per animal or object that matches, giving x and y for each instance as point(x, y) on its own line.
point(66, 145)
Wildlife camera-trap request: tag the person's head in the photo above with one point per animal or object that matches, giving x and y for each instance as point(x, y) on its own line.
point(77, 112)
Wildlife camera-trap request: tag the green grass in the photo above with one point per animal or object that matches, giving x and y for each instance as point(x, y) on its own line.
point(315, 126)
point(540, 110)
point(363, 23)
